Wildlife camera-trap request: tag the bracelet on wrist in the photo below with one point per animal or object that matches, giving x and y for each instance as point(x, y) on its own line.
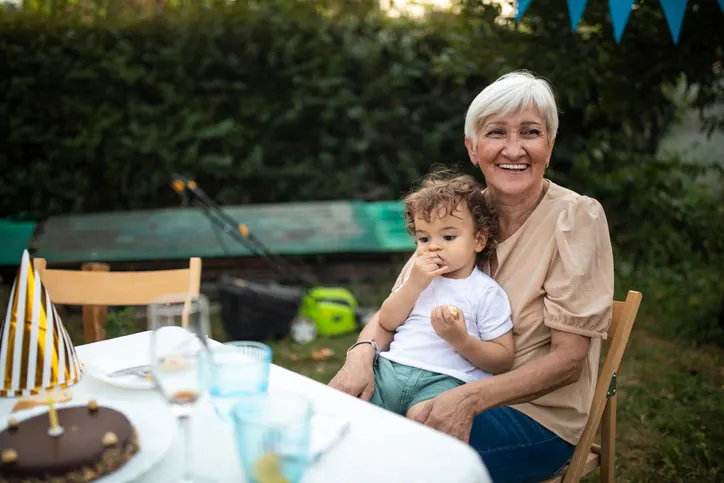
point(367, 341)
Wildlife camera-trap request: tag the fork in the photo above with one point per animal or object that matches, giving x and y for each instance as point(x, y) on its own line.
point(141, 371)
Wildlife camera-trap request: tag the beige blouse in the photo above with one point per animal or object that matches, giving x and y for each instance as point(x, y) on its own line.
point(557, 270)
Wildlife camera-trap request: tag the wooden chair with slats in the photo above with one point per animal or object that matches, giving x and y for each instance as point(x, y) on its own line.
point(588, 455)
point(96, 288)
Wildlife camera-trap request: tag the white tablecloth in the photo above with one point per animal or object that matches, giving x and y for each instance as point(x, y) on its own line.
point(378, 447)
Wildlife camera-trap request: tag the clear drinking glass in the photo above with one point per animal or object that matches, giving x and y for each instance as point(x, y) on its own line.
point(273, 432)
point(179, 360)
point(239, 370)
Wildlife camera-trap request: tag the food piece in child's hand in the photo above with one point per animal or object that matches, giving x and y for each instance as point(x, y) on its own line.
point(267, 469)
point(453, 311)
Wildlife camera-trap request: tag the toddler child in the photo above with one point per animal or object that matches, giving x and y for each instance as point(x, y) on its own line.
point(451, 321)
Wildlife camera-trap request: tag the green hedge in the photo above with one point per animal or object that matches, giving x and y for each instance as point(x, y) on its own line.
point(278, 102)
point(257, 104)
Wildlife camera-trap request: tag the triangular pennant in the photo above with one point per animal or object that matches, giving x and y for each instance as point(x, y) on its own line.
point(575, 11)
point(522, 7)
point(36, 354)
point(620, 11)
point(674, 13)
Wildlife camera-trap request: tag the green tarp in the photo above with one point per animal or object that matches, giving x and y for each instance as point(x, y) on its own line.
point(179, 233)
point(15, 236)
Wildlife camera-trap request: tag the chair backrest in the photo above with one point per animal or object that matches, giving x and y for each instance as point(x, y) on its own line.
point(622, 321)
point(104, 288)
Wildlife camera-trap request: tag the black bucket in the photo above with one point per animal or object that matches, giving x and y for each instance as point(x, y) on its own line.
point(257, 310)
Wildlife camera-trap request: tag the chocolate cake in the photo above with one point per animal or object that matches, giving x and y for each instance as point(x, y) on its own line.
point(95, 441)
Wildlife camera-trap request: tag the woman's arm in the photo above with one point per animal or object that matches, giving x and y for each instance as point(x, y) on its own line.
point(453, 411)
point(560, 367)
point(374, 331)
point(356, 377)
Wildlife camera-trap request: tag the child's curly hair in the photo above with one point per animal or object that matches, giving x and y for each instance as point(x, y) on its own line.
point(444, 189)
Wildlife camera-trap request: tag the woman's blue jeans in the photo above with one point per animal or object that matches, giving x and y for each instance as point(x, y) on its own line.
point(515, 448)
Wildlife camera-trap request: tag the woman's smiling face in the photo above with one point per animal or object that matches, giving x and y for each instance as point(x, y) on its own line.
point(512, 151)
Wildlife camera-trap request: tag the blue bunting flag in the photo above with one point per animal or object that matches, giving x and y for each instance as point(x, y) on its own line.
point(620, 11)
point(523, 6)
point(674, 12)
point(575, 11)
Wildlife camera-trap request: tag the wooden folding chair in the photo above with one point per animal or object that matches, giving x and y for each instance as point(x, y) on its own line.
point(588, 456)
point(96, 288)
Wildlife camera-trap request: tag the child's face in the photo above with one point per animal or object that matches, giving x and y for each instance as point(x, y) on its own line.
point(452, 236)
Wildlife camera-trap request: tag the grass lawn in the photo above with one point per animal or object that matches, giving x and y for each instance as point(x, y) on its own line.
point(301, 358)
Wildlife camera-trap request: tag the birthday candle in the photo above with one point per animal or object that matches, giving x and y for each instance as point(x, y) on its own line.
point(53, 414)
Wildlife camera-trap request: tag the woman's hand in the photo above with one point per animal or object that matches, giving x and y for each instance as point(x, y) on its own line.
point(451, 412)
point(451, 329)
point(356, 377)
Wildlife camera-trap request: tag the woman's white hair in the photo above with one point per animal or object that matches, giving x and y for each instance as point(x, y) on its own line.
point(510, 94)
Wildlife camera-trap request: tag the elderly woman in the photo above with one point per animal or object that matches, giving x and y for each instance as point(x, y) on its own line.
point(554, 259)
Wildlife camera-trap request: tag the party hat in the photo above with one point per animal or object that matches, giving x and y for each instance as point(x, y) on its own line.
point(36, 354)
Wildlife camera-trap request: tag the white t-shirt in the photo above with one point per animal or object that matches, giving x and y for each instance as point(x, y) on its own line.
point(487, 316)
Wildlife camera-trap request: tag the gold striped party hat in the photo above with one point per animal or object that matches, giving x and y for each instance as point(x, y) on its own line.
point(36, 354)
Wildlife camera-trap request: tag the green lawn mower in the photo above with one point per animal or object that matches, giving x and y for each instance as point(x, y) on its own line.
point(254, 310)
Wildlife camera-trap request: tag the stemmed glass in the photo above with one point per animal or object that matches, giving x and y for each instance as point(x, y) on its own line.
point(179, 360)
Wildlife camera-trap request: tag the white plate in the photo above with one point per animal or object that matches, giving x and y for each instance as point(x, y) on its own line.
point(100, 366)
point(156, 429)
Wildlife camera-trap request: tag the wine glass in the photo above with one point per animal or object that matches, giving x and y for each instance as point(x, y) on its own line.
point(179, 360)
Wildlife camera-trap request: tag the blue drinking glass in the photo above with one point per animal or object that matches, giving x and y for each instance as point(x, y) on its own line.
point(273, 436)
point(239, 370)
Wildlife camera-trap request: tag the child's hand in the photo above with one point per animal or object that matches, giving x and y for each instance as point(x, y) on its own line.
point(450, 328)
point(426, 267)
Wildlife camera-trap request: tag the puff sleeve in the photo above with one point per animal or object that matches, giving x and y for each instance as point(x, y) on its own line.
point(579, 283)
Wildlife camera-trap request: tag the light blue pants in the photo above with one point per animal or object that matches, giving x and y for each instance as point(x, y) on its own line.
point(399, 387)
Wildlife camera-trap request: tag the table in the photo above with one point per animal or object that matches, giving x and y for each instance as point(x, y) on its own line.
point(378, 447)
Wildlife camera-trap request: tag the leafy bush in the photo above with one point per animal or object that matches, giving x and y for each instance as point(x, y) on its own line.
point(260, 105)
point(280, 100)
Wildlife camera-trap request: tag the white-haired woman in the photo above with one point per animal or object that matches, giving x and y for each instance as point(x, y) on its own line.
point(554, 260)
